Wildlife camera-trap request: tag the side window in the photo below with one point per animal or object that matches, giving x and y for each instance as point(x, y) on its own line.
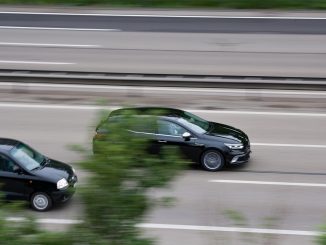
point(7, 165)
point(144, 125)
point(170, 128)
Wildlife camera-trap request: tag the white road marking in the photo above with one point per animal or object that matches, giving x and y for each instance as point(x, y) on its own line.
point(184, 227)
point(229, 229)
point(268, 183)
point(167, 15)
point(289, 145)
point(47, 221)
point(94, 107)
point(265, 113)
point(56, 28)
point(49, 45)
point(34, 62)
point(171, 89)
point(45, 106)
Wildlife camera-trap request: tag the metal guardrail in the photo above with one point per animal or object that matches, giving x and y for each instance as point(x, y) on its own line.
point(160, 80)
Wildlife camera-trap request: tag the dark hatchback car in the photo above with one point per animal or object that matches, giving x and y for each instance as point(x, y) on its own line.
point(211, 144)
point(27, 175)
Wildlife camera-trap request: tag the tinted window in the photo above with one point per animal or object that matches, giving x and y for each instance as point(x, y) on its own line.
point(143, 124)
point(196, 120)
point(194, 127)
point(7, 165)
point(170, 128)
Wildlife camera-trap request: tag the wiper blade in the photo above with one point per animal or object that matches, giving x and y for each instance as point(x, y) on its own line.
point(45, 161)
point(35, 168)
point(210, 127)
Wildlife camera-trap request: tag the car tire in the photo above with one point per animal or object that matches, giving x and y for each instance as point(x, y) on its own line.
point(41, 201)
point(212, 160)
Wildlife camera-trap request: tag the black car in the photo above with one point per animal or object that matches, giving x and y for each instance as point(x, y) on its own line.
point(26, 174)
point(211, 144)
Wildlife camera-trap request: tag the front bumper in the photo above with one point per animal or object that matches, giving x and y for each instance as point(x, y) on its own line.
point(61, 196)
point(238, 157)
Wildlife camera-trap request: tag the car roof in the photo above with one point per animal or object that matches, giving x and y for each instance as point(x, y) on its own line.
point(7, 144)
point(149, 111)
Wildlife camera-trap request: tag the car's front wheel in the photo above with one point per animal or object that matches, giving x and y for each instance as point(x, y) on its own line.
point(212, 160)
point(40, 201)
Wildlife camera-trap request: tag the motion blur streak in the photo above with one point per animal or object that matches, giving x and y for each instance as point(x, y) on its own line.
point(185, 227)
point(229, 229)
point(55, 28)
point(48, 221)
point(269, 183)
point(289, 145)
point(49, 45)
point(90, 107)
point(232, 16)
point(34, 62)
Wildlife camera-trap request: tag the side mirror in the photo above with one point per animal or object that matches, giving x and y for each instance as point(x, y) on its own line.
point(186, 136)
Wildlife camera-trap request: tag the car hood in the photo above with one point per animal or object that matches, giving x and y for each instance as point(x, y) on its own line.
point(54, 171)
point(227, 132)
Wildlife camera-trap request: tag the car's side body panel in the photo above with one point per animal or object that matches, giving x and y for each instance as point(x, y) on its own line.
point(172, 123)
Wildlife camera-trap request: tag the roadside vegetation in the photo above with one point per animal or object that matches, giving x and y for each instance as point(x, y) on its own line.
point(116, 196)
point(321, 240)
point(237, 4)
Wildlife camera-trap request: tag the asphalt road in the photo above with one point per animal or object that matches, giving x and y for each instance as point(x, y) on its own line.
point(190, 24)
point(287, 148)
point(202, 44)
point(199, 201)
point(168, 53)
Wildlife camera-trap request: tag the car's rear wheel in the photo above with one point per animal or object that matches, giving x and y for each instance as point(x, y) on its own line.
point(40, 201)
point(212, 160)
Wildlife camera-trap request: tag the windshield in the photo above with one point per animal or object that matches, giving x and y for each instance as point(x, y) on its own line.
point(27, 157)
point(192, 126)
point(193, 119)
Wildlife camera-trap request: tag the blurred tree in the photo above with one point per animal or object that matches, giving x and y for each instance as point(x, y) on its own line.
point(116, 194)
point(123, 172)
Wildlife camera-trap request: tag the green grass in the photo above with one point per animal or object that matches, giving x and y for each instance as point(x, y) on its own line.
point(237, 4)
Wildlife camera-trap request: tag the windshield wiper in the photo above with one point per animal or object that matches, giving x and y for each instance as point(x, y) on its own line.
point(210, 127)
point(45, 161)
point(38, 167)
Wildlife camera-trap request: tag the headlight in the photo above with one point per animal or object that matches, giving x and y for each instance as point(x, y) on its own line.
point(234, 146)
point(62, 184)
point(74, 171)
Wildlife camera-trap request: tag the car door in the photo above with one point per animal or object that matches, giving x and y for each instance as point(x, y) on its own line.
point(12, 179)
point(145, 128)
point(170, 133)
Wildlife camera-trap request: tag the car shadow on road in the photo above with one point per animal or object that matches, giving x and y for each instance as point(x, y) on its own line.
point(198, 167)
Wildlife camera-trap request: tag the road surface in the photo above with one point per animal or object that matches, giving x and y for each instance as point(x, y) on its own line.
point(261, 45)
point(287, 167)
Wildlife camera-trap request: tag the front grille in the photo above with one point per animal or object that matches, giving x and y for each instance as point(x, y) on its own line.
point(243, 158)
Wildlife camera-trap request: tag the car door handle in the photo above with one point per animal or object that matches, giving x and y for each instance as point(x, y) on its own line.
point(162, 141)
